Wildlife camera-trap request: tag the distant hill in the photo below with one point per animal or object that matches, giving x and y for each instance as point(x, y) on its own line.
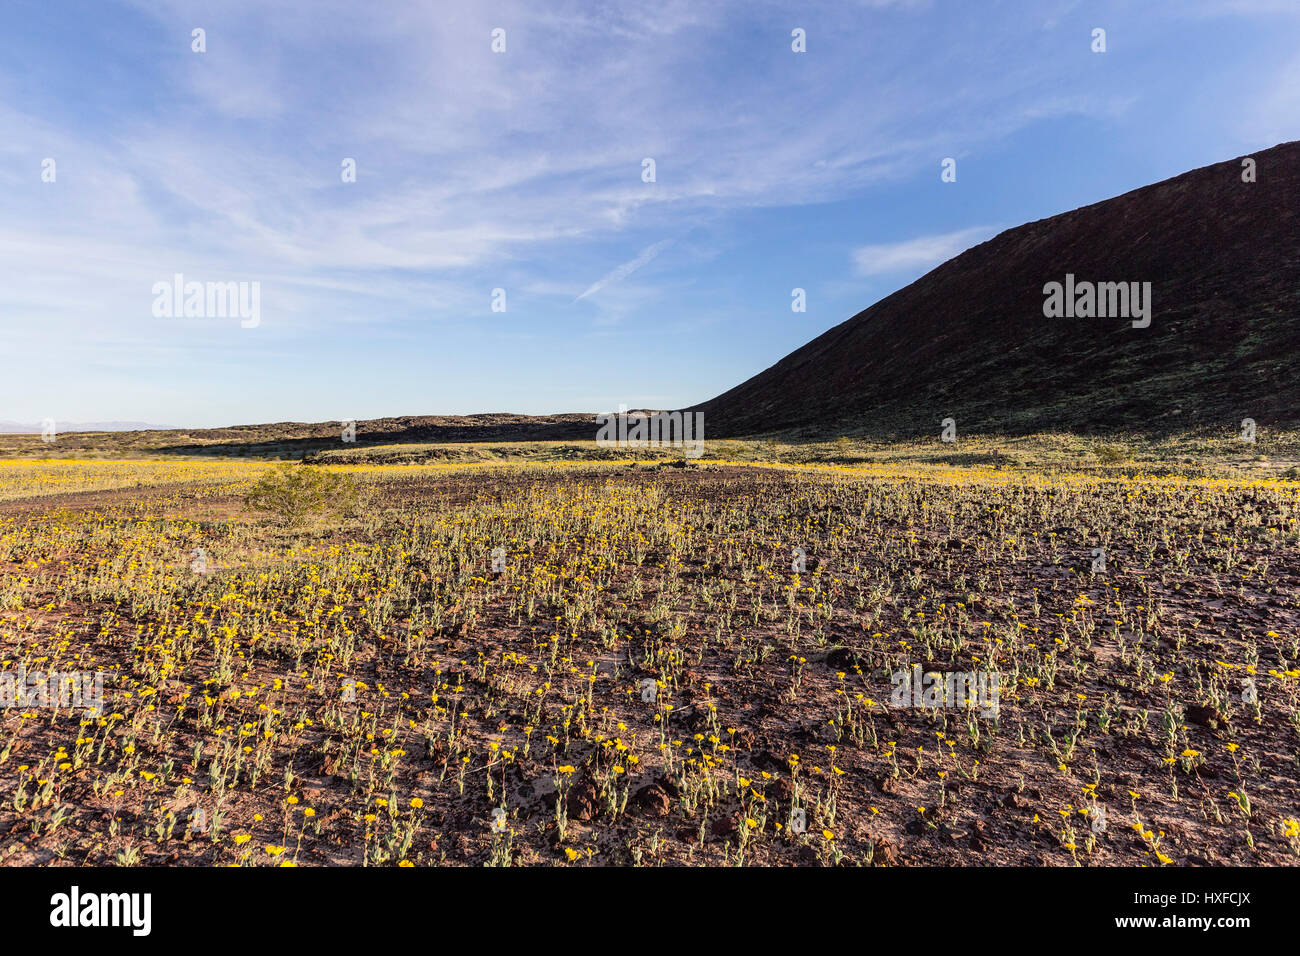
point(296, 439)
point(969, 340)
point(19, 428)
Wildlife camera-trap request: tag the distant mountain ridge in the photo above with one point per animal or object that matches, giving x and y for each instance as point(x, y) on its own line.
point(19, 428)
point(970, 339)
point(296, 439)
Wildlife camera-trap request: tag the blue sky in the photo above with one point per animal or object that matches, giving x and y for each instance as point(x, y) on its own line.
point(522, 171)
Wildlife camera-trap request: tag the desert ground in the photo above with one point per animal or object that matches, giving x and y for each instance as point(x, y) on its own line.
point(523, 656)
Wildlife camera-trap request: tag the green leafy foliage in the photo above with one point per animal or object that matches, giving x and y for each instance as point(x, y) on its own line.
point(295, 493)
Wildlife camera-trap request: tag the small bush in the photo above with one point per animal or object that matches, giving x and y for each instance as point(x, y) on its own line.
point(294, 493)
point(1110, 454)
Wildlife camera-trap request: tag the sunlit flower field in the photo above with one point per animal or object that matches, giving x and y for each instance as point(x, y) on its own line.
point(586, 664)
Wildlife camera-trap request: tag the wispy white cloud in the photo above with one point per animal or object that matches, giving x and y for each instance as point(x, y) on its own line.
point(478, 170)
point(626, 269)
point(1220, 8)
point(468, 159)
point(923, 252)
point(1274, 114)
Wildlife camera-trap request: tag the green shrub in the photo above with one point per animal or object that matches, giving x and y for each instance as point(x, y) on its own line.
point(294, 493)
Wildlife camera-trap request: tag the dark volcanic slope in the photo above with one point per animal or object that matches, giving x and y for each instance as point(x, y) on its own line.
point(295, 439)
point(969, 339)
